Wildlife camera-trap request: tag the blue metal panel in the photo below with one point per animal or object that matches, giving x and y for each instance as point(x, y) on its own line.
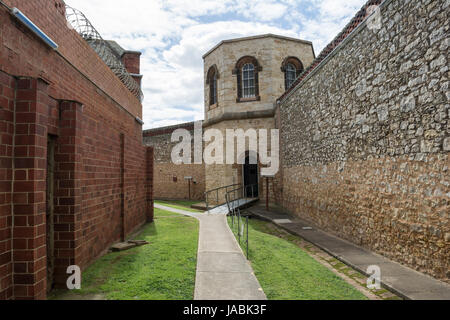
point(35, 29)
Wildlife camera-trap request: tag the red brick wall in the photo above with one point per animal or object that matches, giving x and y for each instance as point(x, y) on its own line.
point(150, 188)
point(24, 54)
point(29, 188)
point(7, 85)
point(132, 62)
point(102, 185)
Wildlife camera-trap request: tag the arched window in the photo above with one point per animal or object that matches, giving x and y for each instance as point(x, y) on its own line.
point(248, 81)
point(213, 90)
point(291, 75)
point(246, 71)
point(292, 68)
point(211, 80)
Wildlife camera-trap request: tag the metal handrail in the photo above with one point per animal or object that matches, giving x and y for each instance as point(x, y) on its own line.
point(236, 214)
point(216, 190)
point(238, 194)
point(244, 189)
point(235, 211)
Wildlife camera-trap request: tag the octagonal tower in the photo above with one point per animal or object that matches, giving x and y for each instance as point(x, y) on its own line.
point(243, 79)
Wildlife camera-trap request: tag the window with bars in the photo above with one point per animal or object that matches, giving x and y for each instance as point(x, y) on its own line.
point(290, 75)
point(211, 80)
point(247, 71)
point(248, 81)
point(292, 68)
point(213, 90)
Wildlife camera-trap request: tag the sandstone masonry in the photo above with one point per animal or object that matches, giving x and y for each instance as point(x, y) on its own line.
point(365, 138)
point(364, 130)
point(169, 178)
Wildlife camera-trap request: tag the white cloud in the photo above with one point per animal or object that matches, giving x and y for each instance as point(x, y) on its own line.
point(195, 8)
point(264, 10)
point(339, 9)
point(332, 18)
point(174, 34)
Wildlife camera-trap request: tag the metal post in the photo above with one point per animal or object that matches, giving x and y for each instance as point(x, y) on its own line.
point(247, 236)
point(232, 220)
point(239, 226)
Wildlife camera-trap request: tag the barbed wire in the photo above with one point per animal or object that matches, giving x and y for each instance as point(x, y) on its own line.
point(78, 21)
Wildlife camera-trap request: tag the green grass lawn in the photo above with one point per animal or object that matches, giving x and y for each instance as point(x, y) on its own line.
point(286, 272)
point(179, 204)
point(162, 270)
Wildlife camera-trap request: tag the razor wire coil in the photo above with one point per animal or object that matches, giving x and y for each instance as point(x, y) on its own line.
point(87, 31)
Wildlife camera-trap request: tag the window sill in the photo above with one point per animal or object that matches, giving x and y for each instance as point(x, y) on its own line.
point(251, 99)
point(213, 106)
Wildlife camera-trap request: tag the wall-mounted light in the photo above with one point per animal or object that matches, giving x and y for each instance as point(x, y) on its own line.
point(35, 29)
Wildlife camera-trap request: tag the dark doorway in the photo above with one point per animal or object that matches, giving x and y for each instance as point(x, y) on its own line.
point(250, 179)
point(50, 211)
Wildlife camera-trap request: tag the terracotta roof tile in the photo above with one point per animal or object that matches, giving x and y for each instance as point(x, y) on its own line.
point(352, 25)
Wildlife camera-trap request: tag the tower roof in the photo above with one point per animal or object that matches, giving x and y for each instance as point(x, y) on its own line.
point(268, 35)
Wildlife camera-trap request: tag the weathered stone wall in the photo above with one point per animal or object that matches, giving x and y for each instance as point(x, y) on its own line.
point(270, 51)
point(169, 182)
point(220, 175)
point(366, 138)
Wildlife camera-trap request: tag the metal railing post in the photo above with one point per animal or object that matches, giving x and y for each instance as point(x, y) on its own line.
point(247, 236)
point(216, 191)
point(232, 220)
point(239, 226)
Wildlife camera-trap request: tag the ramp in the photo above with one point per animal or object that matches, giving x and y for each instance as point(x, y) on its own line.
point(235, 196)
point(236, 204)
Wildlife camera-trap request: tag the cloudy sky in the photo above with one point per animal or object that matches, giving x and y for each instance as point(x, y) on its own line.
point(174, 34)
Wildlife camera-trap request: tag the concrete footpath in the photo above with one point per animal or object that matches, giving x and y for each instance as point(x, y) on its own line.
point(395, 277)
point(223, 272)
